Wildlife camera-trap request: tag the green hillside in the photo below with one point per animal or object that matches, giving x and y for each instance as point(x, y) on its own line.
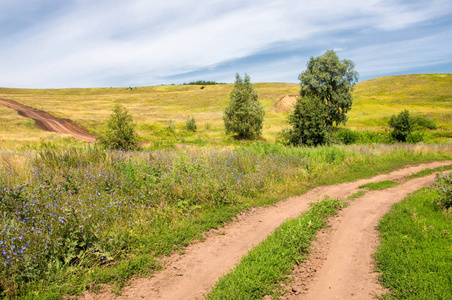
point(377, 99)
point(156, 109)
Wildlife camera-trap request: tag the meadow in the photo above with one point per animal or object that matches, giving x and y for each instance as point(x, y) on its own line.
point(160, 112)
point(73, 218)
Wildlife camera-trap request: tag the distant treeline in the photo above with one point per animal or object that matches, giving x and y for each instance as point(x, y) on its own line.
point(202, 82)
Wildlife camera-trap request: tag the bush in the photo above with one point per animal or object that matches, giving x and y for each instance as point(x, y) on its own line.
point(190, 125)
point(443, 186)
point(347, 136)
point(421, 122)
point(402, 125)
point(244, 114)
point(120, 133)
point(415, 137)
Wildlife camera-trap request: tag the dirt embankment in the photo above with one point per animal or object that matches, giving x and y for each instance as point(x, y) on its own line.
point(48, 122)
point(340, 269)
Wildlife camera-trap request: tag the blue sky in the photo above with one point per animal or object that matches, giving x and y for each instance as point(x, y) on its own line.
point(103, 43)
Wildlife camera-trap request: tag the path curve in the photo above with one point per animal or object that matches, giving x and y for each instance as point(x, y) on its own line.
point(341, 264)
point(48, 122)
point(192, 274)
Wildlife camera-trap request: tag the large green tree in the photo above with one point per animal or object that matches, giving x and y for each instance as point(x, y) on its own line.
point(331, 81)
point(244, 114)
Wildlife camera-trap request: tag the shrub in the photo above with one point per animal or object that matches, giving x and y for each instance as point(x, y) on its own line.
point(443, 185)
point(190, 125)
point(415, 137)
point(421, 122)
point(244, 114)
point(347, 136)
point(402, 125)
point(120, 133)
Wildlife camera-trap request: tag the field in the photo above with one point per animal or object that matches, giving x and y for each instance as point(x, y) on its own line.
point(160, 109)
point(75, 216)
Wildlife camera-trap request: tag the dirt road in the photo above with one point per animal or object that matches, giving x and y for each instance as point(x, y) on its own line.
point(342, 271)
point(48, 122)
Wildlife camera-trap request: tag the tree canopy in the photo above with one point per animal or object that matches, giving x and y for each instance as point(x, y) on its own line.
point(120, 133)
point(244, 114)
point(331, 80)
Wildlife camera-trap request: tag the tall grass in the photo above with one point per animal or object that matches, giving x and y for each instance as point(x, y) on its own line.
point(76, 217)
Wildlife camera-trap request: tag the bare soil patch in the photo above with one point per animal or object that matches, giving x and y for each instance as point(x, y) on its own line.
point(48, 122)
point(286, 103)
point(192, 274)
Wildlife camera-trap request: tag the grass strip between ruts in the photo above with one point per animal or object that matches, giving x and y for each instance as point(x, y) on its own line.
point(259, 272)
point(430, 171)
point(381, 185)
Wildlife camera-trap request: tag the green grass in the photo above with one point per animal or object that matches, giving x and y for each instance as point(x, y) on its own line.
point(259, 271)
point(429, 171)
point(381, 185)
point(375, 102)
point(415, 254)
point(104, 210)
point(356, 195)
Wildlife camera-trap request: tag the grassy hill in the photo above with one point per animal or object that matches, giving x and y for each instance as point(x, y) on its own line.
point(158, 110)
point(377, 99)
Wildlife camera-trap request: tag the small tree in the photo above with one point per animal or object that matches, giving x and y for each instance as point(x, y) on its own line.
point(244, 114)
point(402, 125)
point(308, 123)
point(331, 80)
point(190, 124)
point(120, 133)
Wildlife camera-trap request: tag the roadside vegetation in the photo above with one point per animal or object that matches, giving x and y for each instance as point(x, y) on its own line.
point(414, 256)
point(75, 218)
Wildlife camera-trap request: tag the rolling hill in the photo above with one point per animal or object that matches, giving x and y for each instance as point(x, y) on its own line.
point(159, 111)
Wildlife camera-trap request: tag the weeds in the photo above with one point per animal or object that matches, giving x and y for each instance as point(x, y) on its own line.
point(69, 214)
point(443, 186)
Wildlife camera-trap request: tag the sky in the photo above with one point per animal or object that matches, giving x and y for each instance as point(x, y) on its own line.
point(117, 43)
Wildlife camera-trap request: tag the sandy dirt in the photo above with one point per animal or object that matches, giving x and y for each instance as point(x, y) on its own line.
point(286, 103)
point(341, 270)
point(48, 122)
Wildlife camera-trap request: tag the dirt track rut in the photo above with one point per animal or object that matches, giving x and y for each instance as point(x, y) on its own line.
point(48, 122)
point(347, 255)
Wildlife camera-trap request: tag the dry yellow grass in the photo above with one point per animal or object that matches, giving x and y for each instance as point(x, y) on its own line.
point(153, 107)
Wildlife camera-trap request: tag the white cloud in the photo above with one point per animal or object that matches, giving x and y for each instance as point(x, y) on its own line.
point(91, 43)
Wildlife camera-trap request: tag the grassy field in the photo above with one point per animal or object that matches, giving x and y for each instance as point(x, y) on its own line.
point(415, 252)
point(155, 108)
point(73, 218)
